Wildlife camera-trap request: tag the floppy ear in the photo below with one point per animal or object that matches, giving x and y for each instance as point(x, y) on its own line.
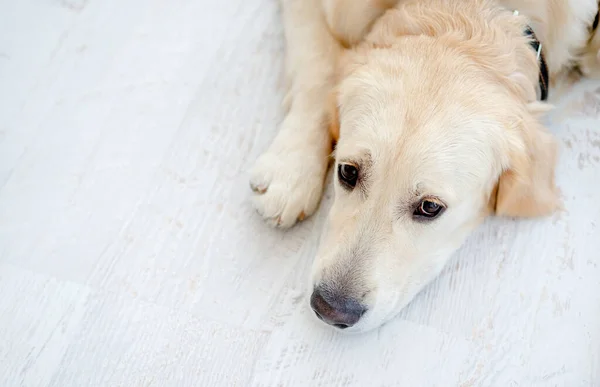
point(527, 188)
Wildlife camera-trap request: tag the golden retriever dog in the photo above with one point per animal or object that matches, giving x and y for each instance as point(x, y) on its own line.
point(434, 107)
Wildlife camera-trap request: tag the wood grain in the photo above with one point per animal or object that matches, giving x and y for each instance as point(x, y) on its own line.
point(130, 254)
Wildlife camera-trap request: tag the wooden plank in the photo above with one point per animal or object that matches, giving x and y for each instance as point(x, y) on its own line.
point(130, 254)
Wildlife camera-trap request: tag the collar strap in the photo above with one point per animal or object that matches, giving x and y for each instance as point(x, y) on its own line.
point(544, 77)
point(595, 25)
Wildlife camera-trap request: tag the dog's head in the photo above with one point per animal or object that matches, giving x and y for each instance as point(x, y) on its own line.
point(432, 138)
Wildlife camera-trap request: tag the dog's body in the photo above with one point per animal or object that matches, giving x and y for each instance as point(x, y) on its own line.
point(435, 103)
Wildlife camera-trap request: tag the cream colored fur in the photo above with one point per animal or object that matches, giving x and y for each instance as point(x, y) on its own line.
point(430, 99)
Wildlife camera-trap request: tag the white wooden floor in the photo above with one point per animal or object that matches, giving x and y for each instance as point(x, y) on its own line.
point(130, 254)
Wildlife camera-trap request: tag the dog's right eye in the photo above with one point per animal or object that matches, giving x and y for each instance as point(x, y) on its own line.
point(428, 209)
point(348, 175)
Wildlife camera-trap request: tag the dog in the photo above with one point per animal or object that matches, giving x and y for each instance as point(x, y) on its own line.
point(435, 108)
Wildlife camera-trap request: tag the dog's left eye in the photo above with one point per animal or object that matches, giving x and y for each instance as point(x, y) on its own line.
point(348, 175)
point(429, 209)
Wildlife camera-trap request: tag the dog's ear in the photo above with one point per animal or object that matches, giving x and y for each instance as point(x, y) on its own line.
point(527, 188)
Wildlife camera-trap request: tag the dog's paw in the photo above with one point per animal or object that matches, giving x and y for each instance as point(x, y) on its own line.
point(288, 184)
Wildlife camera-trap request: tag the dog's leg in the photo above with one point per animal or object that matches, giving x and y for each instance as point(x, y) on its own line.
point(288, 178)
point(350, 20)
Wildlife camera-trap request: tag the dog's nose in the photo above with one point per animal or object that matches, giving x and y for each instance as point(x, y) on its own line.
point(339, 312)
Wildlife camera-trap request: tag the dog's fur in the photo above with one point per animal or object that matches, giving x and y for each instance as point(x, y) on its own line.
point(430, 99)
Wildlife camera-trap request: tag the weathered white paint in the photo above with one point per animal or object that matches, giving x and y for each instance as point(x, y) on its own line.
point(130, 254)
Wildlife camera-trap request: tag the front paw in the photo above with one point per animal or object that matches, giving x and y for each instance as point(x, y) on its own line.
point(288, 184)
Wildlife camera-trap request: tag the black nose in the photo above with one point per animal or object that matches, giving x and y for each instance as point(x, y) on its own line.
point(337, 311)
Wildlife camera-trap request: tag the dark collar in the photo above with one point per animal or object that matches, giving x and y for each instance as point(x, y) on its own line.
point(537, 46)
point(544, 77)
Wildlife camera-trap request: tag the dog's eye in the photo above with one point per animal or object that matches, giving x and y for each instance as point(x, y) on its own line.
point(428, 209)
point(348, 175)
